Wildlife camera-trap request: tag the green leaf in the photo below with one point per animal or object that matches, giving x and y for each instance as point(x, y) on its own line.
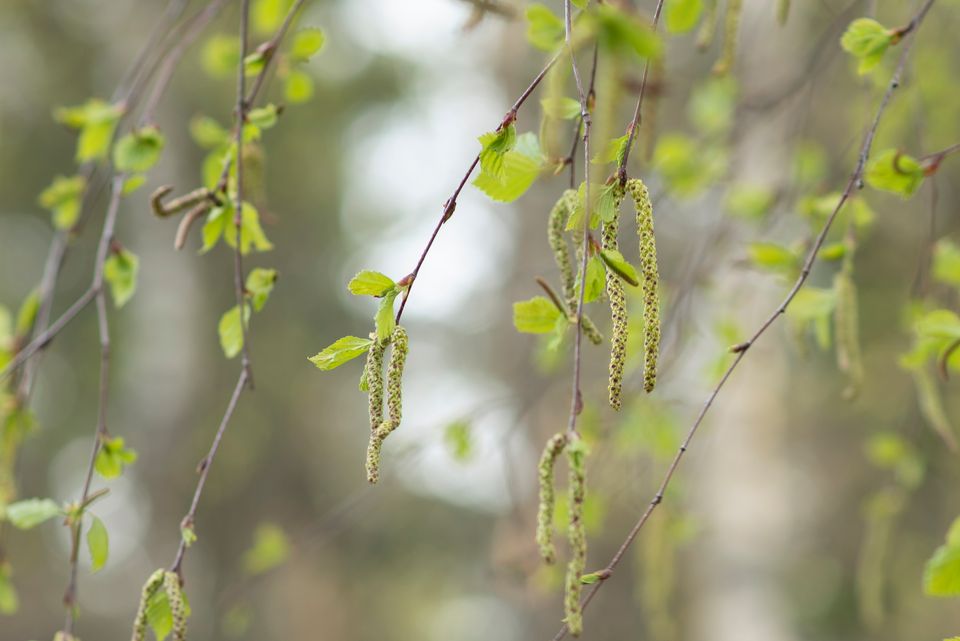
point(684, 165)
point(384, 320)
point(575, 221)
point(343, 350)
point(159, 617)
point(270, 549)
point(133, 183)
point(266, 16)
point(30, 513)
point(545, 29)
point(752, 202)
point(306, 43)
point(27, 314)
point(120, 272)
point(98, 543)
point(941, 575)
point(208, 133)
point(64, 198)
point(619, 265)
point(260, 282)
point(591, 578)
point(867, 40)
point(682, 15)
point(595, 281)
point(213, 227)
point(623, 32)
point(522, 166)
point(813, 307)
point(264, 117)
point(230, 330)
point(251, 231)
point(494, 146)
point(613, 151)
point(458, 439)
point(188, 535)
point(254, 63)
point(561, 107)
point(370, 283)
point(298, 87)
point(774, 258)
point(939, 323)
point(895, 172)
point(535, 316)
point(138, 150)
point(946, 262)
point(113, 457)
point(9, 601)
point(607, 203)
point(220, 55)
point(96, 120)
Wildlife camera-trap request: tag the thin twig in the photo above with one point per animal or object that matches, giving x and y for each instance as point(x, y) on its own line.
point(241, 110)
point(854, 182)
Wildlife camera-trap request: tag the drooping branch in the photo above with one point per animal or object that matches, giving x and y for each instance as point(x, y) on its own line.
point(740, 350)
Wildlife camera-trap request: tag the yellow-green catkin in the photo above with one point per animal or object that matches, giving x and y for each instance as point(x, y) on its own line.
point(545, 473)
point(847, 330)
point(398, 357)
point(731, 29)
point(618, 312)
point(576, 536)
point(149, 588)
point(708, 25)
point(650, 281)
point(178, 610)
point(783, 11)
point(558, 243)
point(374, 377)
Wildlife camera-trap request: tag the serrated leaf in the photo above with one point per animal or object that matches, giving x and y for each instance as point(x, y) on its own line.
point(895, 172)
point(98, 544)
point(213, 227)
point(264, 117)
point(595, 282)
point(867, 40)
point(30, 513)
point(252, 234)
point(561, 107)
point(259, 284)
point(623, 32)
point(370, 283)
point(64, 198)
point(159, 617)
point(343, 350)
point(535, 316)
point(188, 535)
point(681, 16)
point(231, 331)
point(613, 151)
point(120, 271)
point(620, 266)
point(138, 150)
point(545, 29)
point(493, 147)
point(113, 457)
point(97, 120)
point(522, 166)
point(306, 43)
point(384, 319)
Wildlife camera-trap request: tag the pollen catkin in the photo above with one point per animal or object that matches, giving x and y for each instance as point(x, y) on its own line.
point(545, 470)
point(577, 537)
point(846, 323)
point(558, 243)
point(178, 612)
point(708, 26)
point(374, 375)
point(731, 29)
point(651, 281)
point(618, 314)
point(382, 429)
point(149, 588)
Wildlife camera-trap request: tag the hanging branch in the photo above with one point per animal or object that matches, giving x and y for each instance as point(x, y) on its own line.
point(855, 182)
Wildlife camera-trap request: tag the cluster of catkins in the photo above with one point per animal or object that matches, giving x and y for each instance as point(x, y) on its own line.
point(576, 534)
point(170, 583)
point(380, 428)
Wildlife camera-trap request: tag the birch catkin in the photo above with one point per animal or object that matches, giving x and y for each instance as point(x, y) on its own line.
point(650, 281)
point(618, 311)
point(178, 612)
point(374, 377)
point(847, 330)
point(577, 537)
point(731, 29)
point(149, 588)
point(561, 251)
point(545, 474)
point(383, 428)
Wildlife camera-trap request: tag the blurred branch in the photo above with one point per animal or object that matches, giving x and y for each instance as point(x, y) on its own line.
point(854, 182)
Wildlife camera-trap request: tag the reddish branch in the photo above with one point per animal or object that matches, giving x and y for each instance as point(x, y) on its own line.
point(854, 182)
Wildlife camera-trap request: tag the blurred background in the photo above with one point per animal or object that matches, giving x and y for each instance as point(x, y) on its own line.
point(792, 516)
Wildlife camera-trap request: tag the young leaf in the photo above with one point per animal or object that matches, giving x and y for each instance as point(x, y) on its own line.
point(343, 350)
point(27, 314)
point(370, 283)
point(941, 575)
point(619, 265)
point(138, 150)
point(9, 601)
point(270, 549)
point(624, 32)
point(260, 282)
point(208, 133)
point(113, 457)
point(535, 316)
point(494, 146)
point(214, 226)
point(30, 513)
point(96, 120)
point(895, 172)
point(230, 330)
point(545, 29)
point(188, 534)
point(98, 543)
point(297, 87)
point(946, 262)
point(561, 107)
point(384, 320)
point(774, 258)
point(251, 231)
point(595, 282)
point(613, 151)
point(264, 117)
point(606, 205)
point(220, 55)
point(457, 437)
point(867, 40)
point(521, 167)
point(159, 616)
point(63, 198)
point(682, 15)
point(133, 183)
point(120, 272)
point(306, 43)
